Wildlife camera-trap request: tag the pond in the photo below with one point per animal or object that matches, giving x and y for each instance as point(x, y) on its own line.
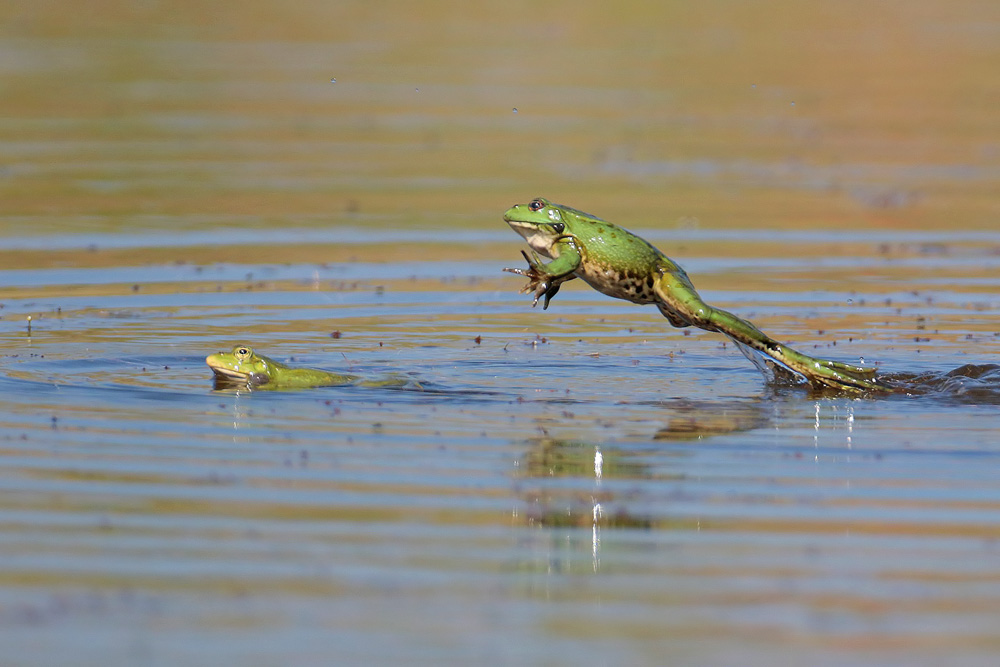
point(583, 484)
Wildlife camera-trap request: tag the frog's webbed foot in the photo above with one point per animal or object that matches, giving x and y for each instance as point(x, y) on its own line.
point(823, 373)
point(838, 375)
point(539, 282)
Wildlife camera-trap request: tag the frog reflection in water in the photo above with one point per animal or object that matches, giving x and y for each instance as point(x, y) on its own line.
point(618, 263)
point(242, 367)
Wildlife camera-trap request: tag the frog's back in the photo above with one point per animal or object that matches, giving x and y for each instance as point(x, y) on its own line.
point(292, 378)
point(616, 246)
point(621, 264)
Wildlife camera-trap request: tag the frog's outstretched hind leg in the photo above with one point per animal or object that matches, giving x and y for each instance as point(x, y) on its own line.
point(786, 364)
point(818, 372)
point(680, 303)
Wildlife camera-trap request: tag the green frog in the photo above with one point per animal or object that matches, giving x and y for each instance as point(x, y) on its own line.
point(620, 264)
point(243, 366)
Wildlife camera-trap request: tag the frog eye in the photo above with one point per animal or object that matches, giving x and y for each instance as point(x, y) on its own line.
point(536, 205)
point(243, 352)
point(558, 227)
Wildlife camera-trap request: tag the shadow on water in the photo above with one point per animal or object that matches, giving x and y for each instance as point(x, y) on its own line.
point(695, 420)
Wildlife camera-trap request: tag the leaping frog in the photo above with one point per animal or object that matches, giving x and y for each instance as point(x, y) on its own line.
point(620, 264)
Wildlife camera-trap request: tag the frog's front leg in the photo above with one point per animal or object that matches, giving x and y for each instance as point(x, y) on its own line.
point(545, 279)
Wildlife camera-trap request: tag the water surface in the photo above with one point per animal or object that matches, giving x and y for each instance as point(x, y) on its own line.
point(579, 485)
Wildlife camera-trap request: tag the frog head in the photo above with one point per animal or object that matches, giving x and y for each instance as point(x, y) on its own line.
point(542, 223)
point(241, 364)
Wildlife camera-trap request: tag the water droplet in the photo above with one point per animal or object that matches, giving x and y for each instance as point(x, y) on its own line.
point(862, 359)
point(333, 81)
point(754, 86)
point(514, 110)
point(792, 104)
point(417, 89)
point(850, 301)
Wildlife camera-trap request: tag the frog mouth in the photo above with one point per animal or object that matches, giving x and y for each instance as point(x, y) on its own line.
point(229, 374)
point(521, 224)
point(227, 377)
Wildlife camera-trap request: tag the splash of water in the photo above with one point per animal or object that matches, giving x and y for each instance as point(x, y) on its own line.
point(971, 383)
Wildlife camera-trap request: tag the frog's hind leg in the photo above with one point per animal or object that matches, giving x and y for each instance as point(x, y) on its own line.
point(680, 304)
point(826, 373)
point(818, 372)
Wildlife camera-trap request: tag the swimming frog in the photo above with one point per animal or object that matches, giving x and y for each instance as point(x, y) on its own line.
point(244, 366)
point(618, 263)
